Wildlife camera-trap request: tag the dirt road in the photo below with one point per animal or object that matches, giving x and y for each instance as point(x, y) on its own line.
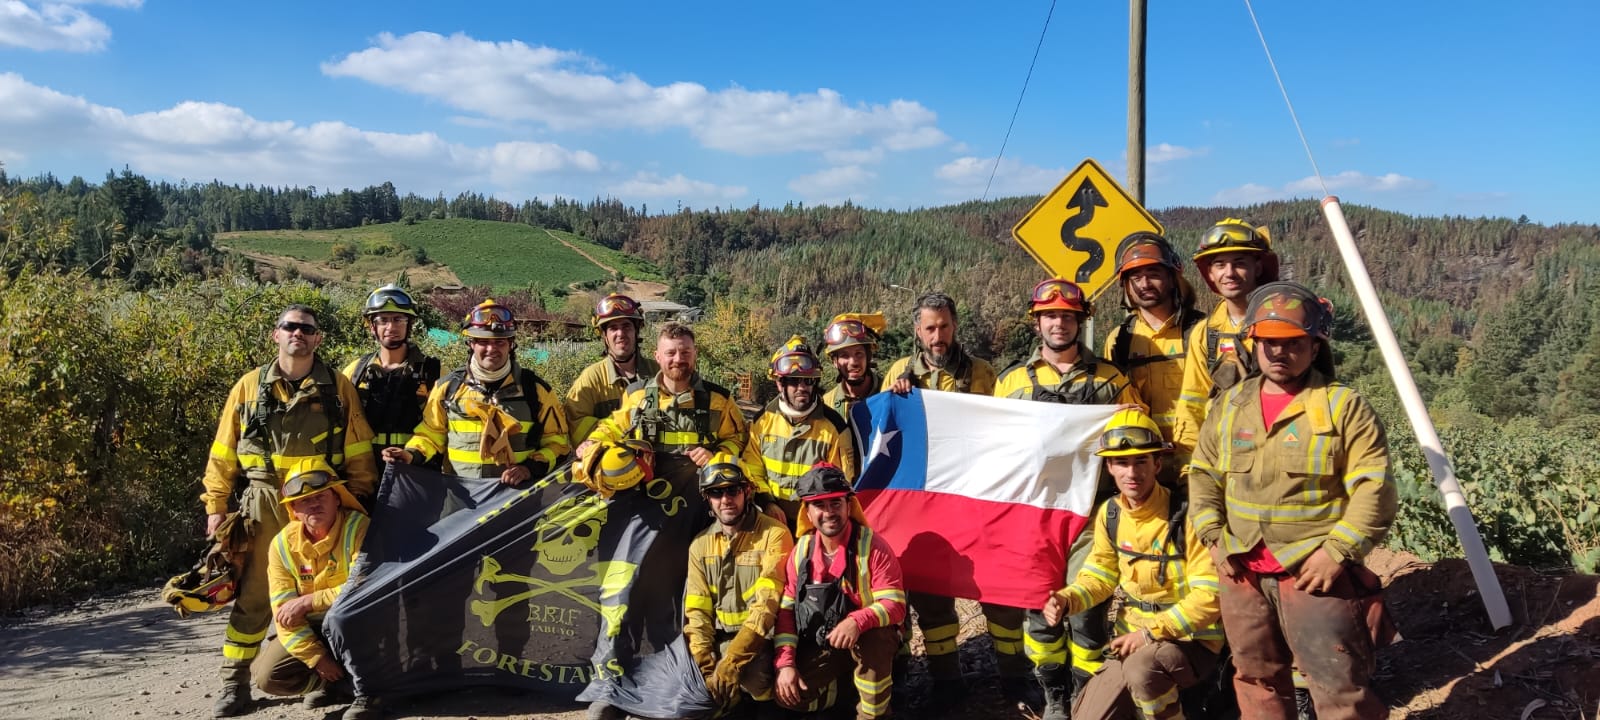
point(128, 656)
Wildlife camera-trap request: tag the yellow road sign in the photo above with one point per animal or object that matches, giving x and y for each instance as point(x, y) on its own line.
point(1074, 231)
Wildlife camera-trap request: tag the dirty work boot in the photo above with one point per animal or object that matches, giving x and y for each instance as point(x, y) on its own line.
point(1056, 681)
point(330, 694)
point(602, 711)
point(364, 707)
point(1303, 706)
point(234, 698)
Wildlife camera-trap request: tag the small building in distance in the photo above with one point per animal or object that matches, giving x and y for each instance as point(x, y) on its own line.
point(666, 310)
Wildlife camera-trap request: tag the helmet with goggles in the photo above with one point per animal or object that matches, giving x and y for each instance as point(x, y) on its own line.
point(1131, 432)
point(617, 306)
point(1058, 294)
point(489, 320)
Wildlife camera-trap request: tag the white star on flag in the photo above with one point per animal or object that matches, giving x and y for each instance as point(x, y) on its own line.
point(880, 443)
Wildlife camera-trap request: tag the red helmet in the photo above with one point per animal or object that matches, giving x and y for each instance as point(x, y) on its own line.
point(1288, 310)
point(617, 306)
point(1058, 294)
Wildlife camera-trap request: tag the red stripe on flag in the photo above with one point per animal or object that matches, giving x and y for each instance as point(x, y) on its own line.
point(1004, 553)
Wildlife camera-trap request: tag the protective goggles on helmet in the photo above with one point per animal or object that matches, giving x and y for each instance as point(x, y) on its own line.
point(616, 307)
point(1288, 310)
point(1232, 236)
point(1057, 294)
point(719, 475)
point(845, 333)
point(796, 365)
point(390, 298)
point(494, 318)
point(306, 483)
point(1131, 437)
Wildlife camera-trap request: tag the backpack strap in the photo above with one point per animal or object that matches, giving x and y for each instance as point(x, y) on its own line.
point(1177, 511)
point(1124, 344)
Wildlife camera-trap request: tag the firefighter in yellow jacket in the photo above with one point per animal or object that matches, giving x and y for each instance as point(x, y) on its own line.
point(307, 566)
point(1168, 634)
point(1234, 258)
point(734, 584)
point(290, 410)
point(940, 363)
point(1289, 489)
point(492, 418)
point(599, 388)
point(1152, 342)
point(795, 431)
point(394, 380)
point(850, 342)
point(1062, 370)
point(685, 418)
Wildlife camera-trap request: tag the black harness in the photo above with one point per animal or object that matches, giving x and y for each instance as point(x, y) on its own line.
point(819, 607)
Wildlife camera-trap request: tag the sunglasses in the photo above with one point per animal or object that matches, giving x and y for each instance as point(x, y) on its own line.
point(794, 382)
point(724, 491)
point(298, 327)
point(1052, 289)
point(1230, 235)
point(796, 363)
point(1130, 438)
point(303, 482)
point(615, 305)
point(846, 330)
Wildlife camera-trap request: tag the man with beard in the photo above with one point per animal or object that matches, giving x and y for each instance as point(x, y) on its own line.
point(1290, 488)
point(843, 604)
point(293, 409)
point(1150, 345)
point(850, 343)
point(598, 390)
point(1234, 258)
point(1167, 632)
point(731, 597)
point(795, 432)
point(941, 364)
point(394, 380)
point(1063, 371)
point(492, 418)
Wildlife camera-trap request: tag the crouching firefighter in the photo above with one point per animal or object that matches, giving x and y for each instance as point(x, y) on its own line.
point(1168, 635)
point(732, 593)
point(307, 566)
point(844, 603)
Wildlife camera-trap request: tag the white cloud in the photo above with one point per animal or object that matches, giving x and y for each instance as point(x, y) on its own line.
point(565, 90)
point(201, 140)
point(966, 177)
point(1166, 152)
point(866, 156)
point(677, 187)
point(833, 182)
point(1347, 181)
point(58, 25)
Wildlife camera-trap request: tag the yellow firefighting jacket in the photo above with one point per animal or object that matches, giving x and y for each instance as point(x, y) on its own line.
point(1198, 373)
point(597, 393)
point(298, 566)
point(1183, 607)
point(1159, 382)
point(393, 412)
point(779, 451)
point(473, 420)
point(292, 425)
point(734, 583)
point(1106, 386)
point(676, 423)
point(1317, 478)
point(841, 404)
point(964, 373)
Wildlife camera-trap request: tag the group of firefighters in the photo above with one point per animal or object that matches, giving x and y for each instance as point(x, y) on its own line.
point(1242, 486)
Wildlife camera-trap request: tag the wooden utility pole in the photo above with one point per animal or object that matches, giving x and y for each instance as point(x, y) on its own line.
point(1136, 16)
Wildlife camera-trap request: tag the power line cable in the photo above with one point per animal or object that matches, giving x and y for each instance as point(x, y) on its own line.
point(1292, 114)
point(1020, 95)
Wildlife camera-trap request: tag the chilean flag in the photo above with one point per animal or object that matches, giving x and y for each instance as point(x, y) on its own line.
point(980, 497)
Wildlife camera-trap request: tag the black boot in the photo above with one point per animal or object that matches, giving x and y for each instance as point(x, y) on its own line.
point(1057, 684)
point(234, 698)
point(1022, 690)
point(604, 711)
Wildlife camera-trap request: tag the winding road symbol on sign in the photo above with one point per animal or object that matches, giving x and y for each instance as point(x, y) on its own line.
point(1085, 199)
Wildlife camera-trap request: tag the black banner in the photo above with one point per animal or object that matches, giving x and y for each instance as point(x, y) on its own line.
point(547, 587)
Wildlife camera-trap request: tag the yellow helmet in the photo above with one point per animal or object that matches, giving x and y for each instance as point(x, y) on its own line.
point(851, 329)
point(795, 360)
point(721, 471)
point(623, 465)
point(311, 476)
point(489, 320)
point(209, 586)
point(1131, 432)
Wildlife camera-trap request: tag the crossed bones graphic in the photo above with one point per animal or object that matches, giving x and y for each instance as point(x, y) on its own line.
point(489, 574)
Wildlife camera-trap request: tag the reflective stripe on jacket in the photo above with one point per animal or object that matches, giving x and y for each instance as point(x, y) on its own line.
point(297, 566)
point(391, 423)
point(734, 582)
point(449, 426)
point(1159, 382)
point(597, 393)
point(1197, 378)
point(679, 429)
point(876, 578)
point(779, 452)
point(1317, 478)
point(298, 432)
point(1184, 608)
point(1111, 387)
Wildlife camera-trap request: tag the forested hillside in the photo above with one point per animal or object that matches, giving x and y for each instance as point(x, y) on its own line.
point(124, 322)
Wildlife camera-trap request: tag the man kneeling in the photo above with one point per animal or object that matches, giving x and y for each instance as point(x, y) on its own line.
point(1168, 635)
point(731, 600)
point(306, 568)
point(843, 602)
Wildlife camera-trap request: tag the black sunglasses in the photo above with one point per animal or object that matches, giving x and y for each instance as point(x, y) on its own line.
point(791, 382)
point(718, 492)
point(300, 327)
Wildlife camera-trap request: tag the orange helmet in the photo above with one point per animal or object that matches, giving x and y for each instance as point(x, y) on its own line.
point(1235, 235)
point(1146, 248)
point(1058, 294)
point(1288, 310)
point(617, 306)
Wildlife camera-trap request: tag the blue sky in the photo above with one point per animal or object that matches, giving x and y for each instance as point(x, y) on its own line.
point(1459, 108)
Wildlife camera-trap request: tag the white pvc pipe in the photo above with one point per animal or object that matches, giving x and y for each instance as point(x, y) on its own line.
point(1455, 503)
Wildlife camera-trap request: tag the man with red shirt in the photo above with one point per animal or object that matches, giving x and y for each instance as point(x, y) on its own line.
point(843, 605)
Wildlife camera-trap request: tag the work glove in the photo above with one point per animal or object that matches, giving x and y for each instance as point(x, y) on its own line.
point(706, 661)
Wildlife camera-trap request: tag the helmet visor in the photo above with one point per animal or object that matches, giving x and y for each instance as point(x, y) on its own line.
point(1057, 294)
point(494, 318)
point(797, 364)
point(847, 331)
point(306, 483)
point(1131, 437)
point(720, 475)
point(615, 306)
point(1230, 237)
